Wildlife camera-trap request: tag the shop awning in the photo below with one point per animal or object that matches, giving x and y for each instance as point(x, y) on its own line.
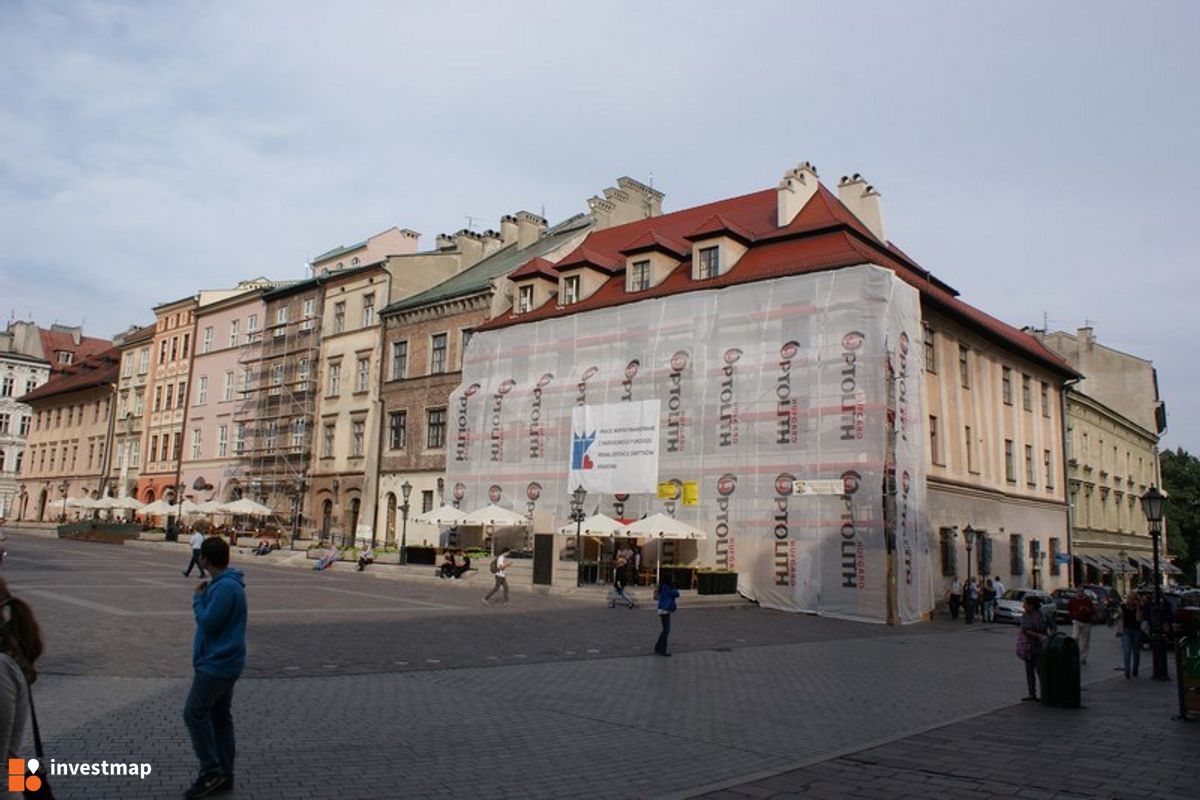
point(1171, 569)
point(1144, 563)
point(1090, 561)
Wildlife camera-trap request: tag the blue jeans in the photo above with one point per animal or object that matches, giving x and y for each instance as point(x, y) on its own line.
point(661, 645)
point(208, 714)
point(1131, 646)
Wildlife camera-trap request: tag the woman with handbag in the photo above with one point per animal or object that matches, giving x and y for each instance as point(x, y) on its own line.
point(1030, 638)
point(20, 647)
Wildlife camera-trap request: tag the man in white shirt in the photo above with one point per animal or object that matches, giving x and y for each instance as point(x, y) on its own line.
point(501, 577)
point(998, 586)
point(197, 540)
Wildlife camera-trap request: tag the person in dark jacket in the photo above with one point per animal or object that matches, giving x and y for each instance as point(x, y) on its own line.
point(666, 594)
point(218, 656)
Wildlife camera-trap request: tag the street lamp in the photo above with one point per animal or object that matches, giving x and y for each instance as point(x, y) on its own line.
point(1152, 504)
point(62, 487)
point(298, 486)
point(577, 499)
point(1123, 557)
point(969, 541)
point(24, 502)
point(405, 490)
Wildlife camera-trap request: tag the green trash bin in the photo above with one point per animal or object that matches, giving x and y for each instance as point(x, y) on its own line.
point(1058, 672)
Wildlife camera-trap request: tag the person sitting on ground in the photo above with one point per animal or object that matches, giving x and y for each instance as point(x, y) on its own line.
point(367, 557)
point(446, 565)
point(462, 563)
point(326, 561)
point(263, 548)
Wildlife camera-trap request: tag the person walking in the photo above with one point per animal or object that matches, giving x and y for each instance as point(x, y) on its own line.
point(1032, 636)
point(666, 596)
point(197, 540)
point(1129, 630)
point(970, 600)
point(499, 566)
point(218, 657)
point(989, 601)
point(618, 590)
point(1082, 611)
point(20, 648)
point(954, 596)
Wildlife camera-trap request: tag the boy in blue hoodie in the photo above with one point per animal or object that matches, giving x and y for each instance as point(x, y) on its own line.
point(218, 656)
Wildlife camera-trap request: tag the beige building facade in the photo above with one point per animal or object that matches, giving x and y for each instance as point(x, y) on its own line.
point(134, 378)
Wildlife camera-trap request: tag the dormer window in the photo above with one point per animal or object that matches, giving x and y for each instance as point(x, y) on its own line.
point(525, 300)
point(639, 276)
point(65, 356)
point(709, 263)
point(570, 293)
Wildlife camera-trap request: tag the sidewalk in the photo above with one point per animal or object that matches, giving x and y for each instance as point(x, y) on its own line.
point(1121, 744)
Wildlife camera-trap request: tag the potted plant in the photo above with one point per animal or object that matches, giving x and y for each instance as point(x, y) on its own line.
point(716, 581)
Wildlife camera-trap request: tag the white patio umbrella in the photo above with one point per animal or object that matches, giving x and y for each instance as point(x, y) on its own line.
point(660, 526)
point(189, 508)
point(209, 507)
point(159, 508)
point(446, 515)
point(600, 525)
point(246, 506)
point(494, 515)
point(80, 502)
point(131, 503)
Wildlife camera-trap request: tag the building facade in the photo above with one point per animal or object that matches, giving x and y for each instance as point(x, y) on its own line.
point(131, 409)
point(166, 399)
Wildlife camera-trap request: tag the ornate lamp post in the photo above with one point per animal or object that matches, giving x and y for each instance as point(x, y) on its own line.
point(577, 499)
point(969, 540)
point(405, 490)
point(1123, 557)
point(62, 488)
point(1152, 504)
point(24, 502)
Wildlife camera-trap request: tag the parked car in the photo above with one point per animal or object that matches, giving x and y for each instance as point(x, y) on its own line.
point(1111, 600)
point(1009, 606)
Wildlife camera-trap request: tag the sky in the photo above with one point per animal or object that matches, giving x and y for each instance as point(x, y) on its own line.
point(1039, 157)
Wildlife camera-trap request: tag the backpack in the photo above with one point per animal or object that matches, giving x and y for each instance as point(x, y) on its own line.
point(495, 565)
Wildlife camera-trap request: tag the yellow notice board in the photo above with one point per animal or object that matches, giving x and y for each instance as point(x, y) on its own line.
point(691, 493)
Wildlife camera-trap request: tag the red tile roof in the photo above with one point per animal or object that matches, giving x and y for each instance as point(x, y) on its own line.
point(54, 341)
point(95, 370)
point(535, 268)
point(653, 240)
point(717, 225)
point(824, 235)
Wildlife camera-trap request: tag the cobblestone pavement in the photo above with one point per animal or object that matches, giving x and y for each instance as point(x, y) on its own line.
point(360, 688)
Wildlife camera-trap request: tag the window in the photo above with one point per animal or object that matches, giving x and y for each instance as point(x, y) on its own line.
point(195, 443)
point(127, 365)
point(1010, 469)
point(187, 340)
point(281, 318)
point(426, 501)
point(24, 429)
point(276, 379)
point(252, 328)
point(302, 373)
point(30, 385)
point(327, 447)
point(239, 438)
point(182, 398)
point(935, 451)
point(162, 352)
point(435, 437)
point(139, 404)
point(368, 315)
point(339, 317)
point(970, 450)
point(570, 293)
point(1048, 465)
point(309, 307)
point(437, 354)
point(525, 299)
point(710, 262)
point(1030, 474)
point(356, 438)
point(399, 359)
point(158, 390)
point(298, 427)
point(1016, 554)
point(4, 421)
point(930, 350)
point(6, 386)
point(1006, 386)
point(64, 356)
point(639, 276)
point(335, 379)
point(234, 334)
point(174, 348)
point(949, 552)
point(246, 379)
point(227, 386)
point(397, 430)
point(1026, 393)
point(144, 360)
point(363, 380)
point(272, 435)
point(964, 367)
point(222, 440)
point(1045, 399)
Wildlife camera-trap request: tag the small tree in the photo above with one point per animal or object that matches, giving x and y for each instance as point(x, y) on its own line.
point(1181, 480)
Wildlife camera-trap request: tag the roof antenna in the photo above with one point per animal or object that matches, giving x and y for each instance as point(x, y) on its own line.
point(471, 221)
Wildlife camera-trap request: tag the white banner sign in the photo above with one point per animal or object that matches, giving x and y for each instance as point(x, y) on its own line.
point(614, 447)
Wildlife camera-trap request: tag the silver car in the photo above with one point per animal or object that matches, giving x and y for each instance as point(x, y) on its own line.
point(1010, 606)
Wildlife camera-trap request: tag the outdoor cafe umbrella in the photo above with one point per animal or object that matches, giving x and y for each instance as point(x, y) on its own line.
point(80, 502)
point(246, 506)
point(446, 515)
point(660, 526)
point(208, 507)
point(600, 525)
point(159, 508)
point(495, 516)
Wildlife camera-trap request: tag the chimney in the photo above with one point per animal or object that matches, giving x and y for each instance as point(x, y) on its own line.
point(492, 241)
point(863, 201)
point(648, 201)
point(629, 201)
point(470, 244)
point(444, 242)
point(508, 229)
point(794, 191)
point(1087, 337)
point(529, 228)
point(602, 212)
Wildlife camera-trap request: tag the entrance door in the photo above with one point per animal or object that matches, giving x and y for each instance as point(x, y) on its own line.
point(326, 517)
point(355, 505)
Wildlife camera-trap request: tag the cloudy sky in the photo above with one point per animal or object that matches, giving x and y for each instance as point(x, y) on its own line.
point(1040, 157)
